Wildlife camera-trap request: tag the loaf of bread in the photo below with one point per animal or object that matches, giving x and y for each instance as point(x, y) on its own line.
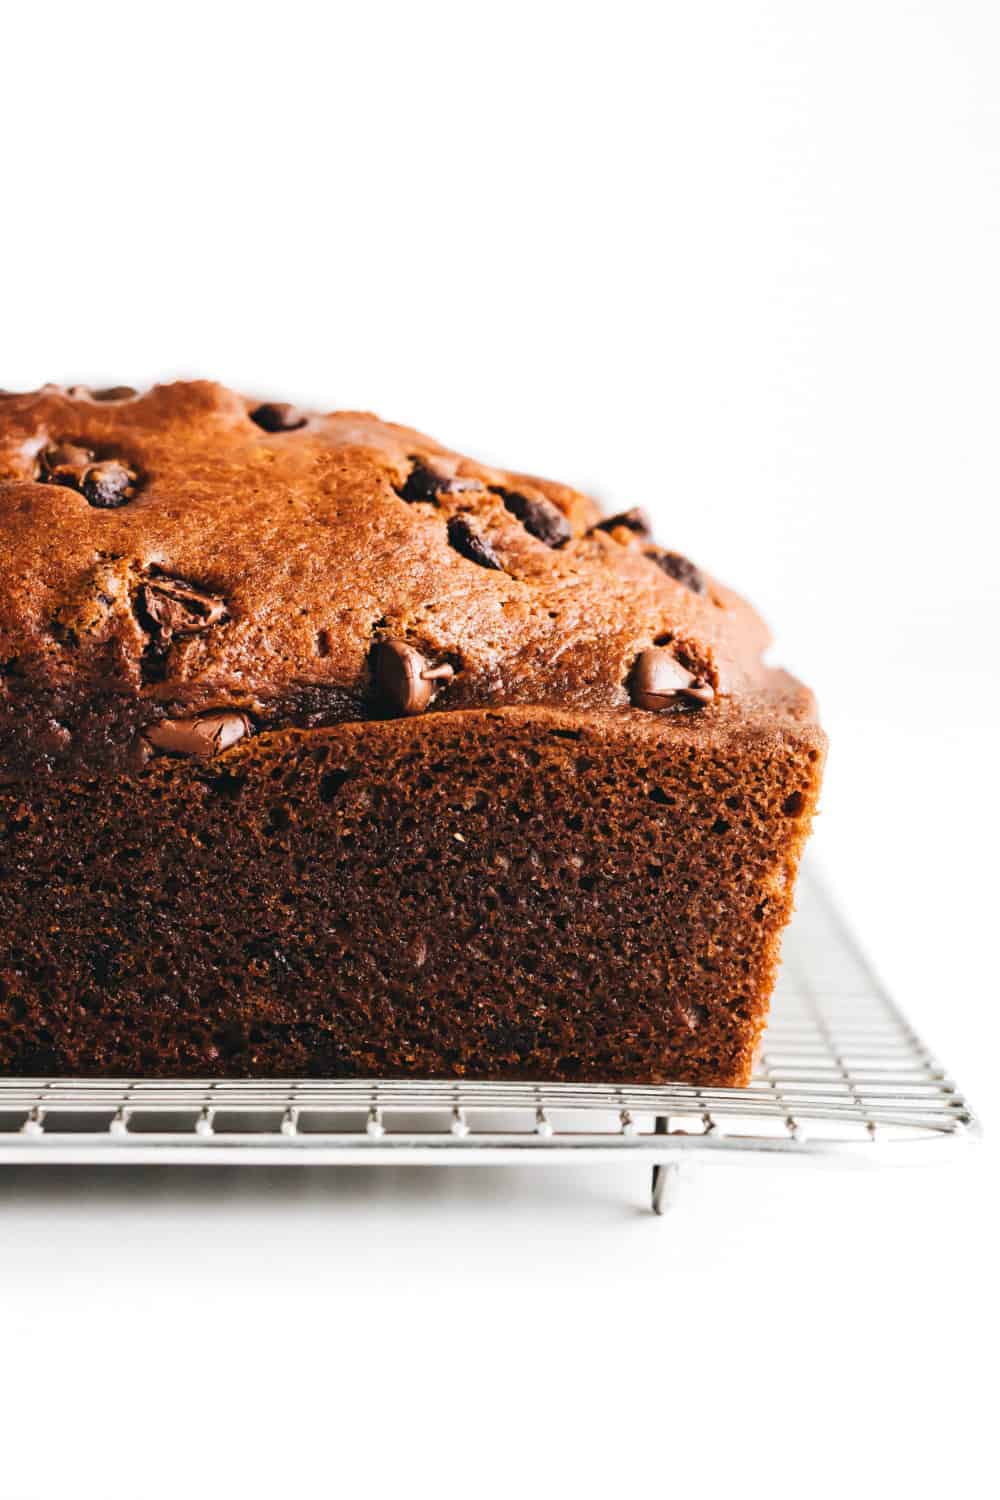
point(325, 751)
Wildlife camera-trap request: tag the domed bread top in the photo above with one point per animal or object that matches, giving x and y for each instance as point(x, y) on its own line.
point(190, 550)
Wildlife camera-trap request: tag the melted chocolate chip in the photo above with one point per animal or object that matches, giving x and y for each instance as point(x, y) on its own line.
point(115, 393)
point(698, 693)
point(204, 734)
point(680, 568)
point(404, 682)
point(64, 463)
point(659, 681)
point(539, 517)
point(108, 393)
point(169, 607)
point(634, 520)
point(278, 416)
point(106, 483)
point(465, 538)
point(423, 483)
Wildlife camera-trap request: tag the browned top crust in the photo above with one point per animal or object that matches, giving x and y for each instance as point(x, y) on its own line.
point(190, 549)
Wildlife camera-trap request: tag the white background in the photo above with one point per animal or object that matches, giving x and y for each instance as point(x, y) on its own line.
point(736, 262)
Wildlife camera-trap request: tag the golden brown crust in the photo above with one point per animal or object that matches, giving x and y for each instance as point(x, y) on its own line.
point(309, 540)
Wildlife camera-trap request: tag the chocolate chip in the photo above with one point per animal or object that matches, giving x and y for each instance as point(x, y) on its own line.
point(659, 681)
point(421, 484)
point(64, 463)
point(467, 539)
point(278, 416)
point(169, 607)
point(205, 734)
point(425, 483)
point(680, 568)
point(634, 520)
point(108, 393)
point(539, 517)
point(108, 484)
point(404, 681)
point(115, 393)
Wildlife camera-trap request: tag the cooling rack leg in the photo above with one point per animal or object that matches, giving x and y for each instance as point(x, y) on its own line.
point(665, 1174)
point(665, 1182)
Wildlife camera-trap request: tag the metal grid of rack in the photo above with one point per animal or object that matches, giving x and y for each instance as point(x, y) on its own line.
point(841, 1073)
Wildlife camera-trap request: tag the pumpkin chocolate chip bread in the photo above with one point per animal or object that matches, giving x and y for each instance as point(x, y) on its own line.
point(327, 751)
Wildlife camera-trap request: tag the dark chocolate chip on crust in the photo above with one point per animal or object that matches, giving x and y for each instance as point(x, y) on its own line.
point(278, 416)
point(681, 568)
point(106, 483)
point(64, 463)
point(659, 681)
point(539, 517)
point(421, 484)
point(465, 537)
point(405, 682)
point(425, 483)
point(107, 393)
point(634, 520)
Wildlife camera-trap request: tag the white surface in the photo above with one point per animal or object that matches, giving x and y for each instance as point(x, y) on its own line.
point(736, 262)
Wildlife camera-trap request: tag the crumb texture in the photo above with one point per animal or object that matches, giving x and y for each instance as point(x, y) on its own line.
point(518, 893)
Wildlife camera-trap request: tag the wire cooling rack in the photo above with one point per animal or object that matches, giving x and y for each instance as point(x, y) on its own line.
point(841, 1072)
